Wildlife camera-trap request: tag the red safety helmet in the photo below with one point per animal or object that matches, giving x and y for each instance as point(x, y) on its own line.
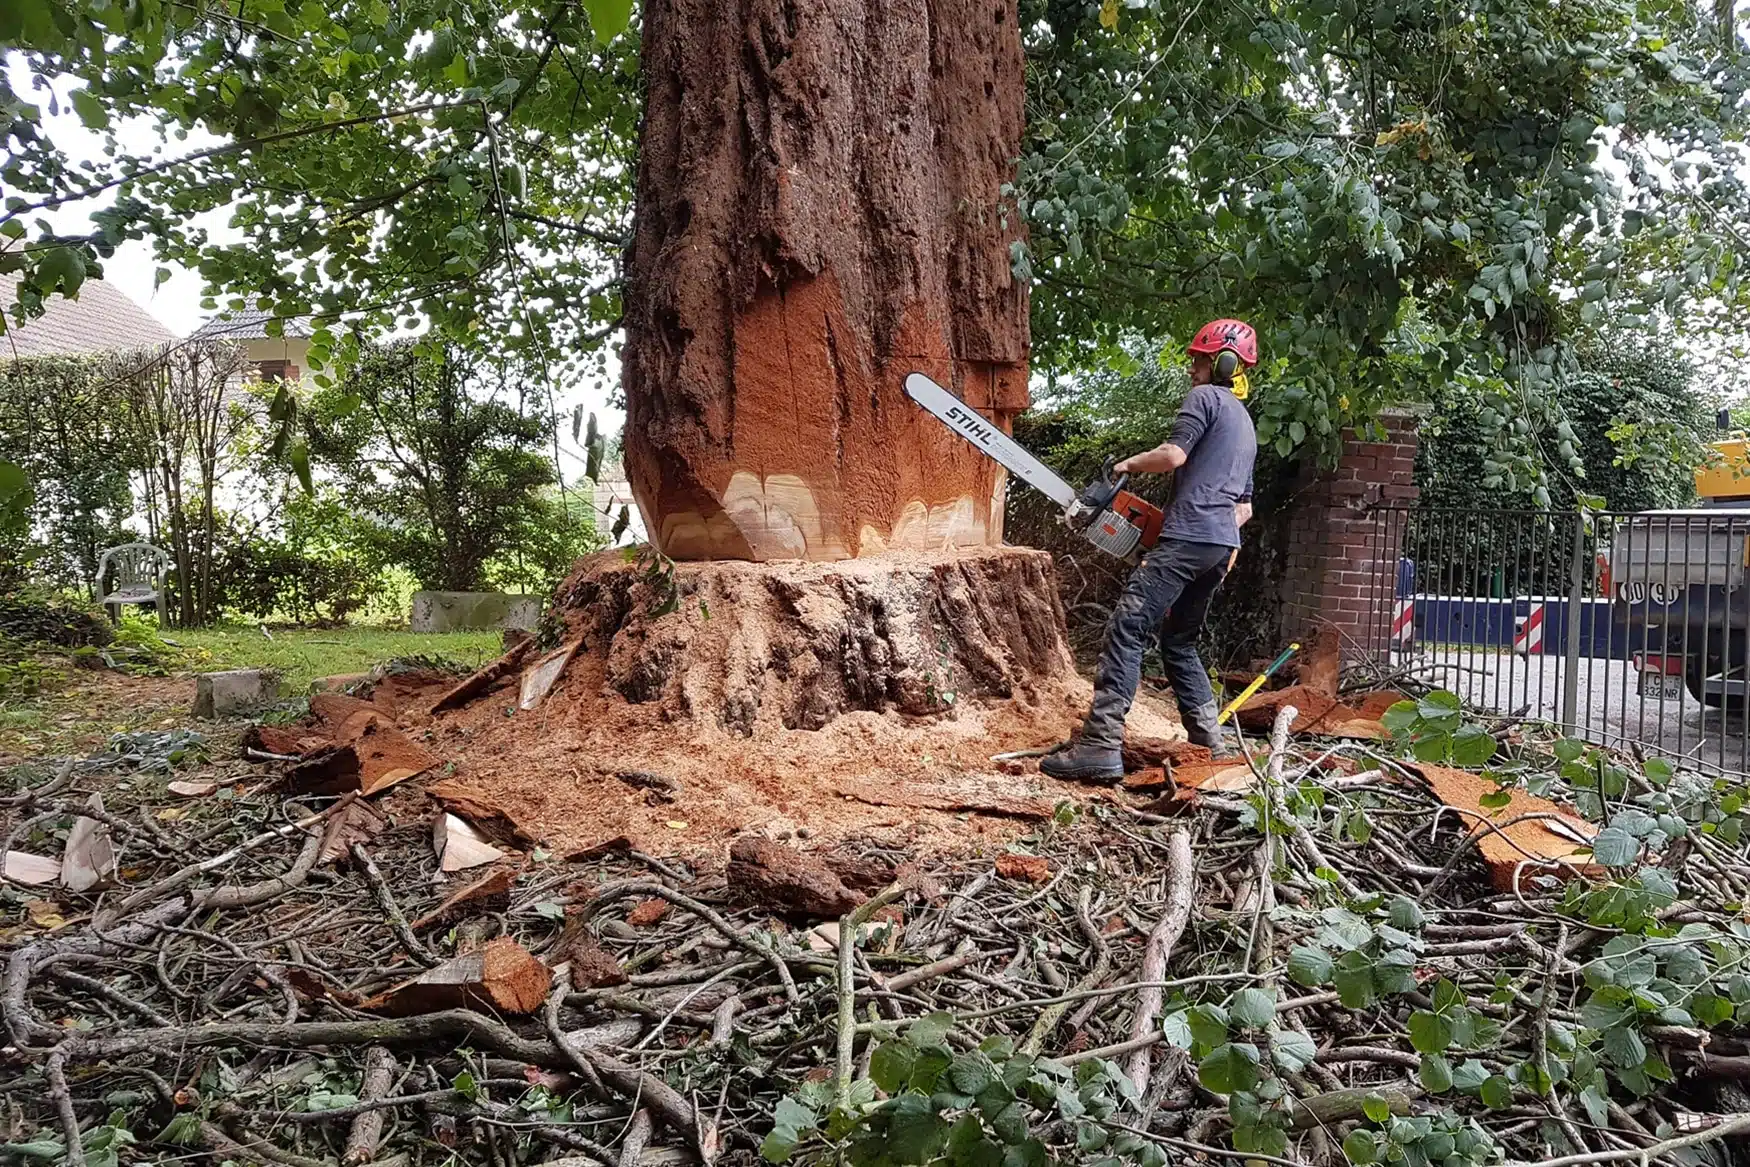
point(1219, 336)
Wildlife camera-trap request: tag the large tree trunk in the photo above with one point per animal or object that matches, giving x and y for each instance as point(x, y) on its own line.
point(819, 213)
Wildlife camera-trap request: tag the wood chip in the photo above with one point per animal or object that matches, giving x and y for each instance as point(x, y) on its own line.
point(768, 875)
point(950, 798)
point(502, 977)
point(488, 817)
point(192, 789)
point(647, 912)
point(90, 858)
point(540, 678)
point(489, 893)
point(459, 846)
point(1028, 867)
point(483, 679)
point(592, 966)
point(357, 822)
point(32, 870)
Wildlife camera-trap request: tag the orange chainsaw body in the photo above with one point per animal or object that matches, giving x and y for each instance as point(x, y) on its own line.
point(1144, 516)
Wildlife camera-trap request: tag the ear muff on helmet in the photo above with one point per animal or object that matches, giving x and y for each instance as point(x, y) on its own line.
point(1227, 363)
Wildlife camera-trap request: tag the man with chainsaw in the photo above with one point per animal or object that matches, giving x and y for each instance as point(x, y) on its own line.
point(1210, 453)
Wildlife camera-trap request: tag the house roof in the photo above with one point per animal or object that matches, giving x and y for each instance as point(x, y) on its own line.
point(247, 326)
point(101, 320)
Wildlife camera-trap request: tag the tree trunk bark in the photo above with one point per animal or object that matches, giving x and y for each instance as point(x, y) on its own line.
point(820, 212)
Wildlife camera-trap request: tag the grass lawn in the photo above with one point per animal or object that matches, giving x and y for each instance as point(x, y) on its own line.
point(301, 655)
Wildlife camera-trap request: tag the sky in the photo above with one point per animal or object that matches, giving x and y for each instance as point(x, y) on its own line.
point(176, 302)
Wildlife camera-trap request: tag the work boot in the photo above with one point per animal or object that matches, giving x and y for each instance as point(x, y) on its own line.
point(1202, 728)
point(1077, 762)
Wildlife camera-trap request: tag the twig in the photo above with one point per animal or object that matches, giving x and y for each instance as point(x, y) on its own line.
point(1181, 886)
point(386, 900)
point(849, 926)
point(1727, 1124)
point(367, 1128)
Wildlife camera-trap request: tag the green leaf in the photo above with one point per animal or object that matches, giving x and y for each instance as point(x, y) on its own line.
point(1229, 1067)
point(1624, 1047)
point(608, 18)
point(1252, 1008)
point(1401, 718)
point(1472, 746)
point(930, 1029)
point(299, 456)
point(891, 1065)
point(1436, 1074)
point(915, 1132)
point(1208, 1025)
point(16, 497)
point(1430, 1033)
point(464, 1085)
point(1309, 966)
point(1496, 1092)
point(1361, 1147)
point(1469, 1074)
point(90, 109)
point(1176, 1029)
point(1353, 980)
point(44, 1149)
point(1711, 1010)
point(968, 1146)
point(1614, 847)
point(1405, 913)
point(62, 268)
point(1376, 1107)
point(1495, 799)
point(778, 1146)
point(1292, 1050)
point(971, 1073)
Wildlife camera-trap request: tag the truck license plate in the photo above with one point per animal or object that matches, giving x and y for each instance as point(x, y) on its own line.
point(1661, 686)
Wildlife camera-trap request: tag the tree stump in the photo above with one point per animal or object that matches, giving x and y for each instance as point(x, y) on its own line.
point(820, 212)
point(794, 645)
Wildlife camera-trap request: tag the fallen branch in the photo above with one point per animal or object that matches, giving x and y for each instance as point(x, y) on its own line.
point(1181, 885)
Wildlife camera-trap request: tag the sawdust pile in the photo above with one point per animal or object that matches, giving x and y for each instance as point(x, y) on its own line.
point(687, 704)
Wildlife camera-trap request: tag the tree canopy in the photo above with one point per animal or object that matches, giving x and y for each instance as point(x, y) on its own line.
point(1398, 193)
point(1402, 194)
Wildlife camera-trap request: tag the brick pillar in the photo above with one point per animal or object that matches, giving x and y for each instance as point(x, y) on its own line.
point(1342, 551)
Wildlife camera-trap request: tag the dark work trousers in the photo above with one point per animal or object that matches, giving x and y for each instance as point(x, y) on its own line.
point(1176, 576)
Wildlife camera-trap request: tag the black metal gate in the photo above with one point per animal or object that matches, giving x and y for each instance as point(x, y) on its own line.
point(1626, 630)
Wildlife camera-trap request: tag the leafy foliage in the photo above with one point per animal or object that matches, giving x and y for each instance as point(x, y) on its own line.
point(1640, 425)
point(72, 453)
point(1402, 197)
point(451, 161)
point(978, 1108)
point(1434, 730)
point(440, 472)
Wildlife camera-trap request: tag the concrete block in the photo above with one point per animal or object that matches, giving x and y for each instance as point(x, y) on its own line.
point(234, 692)
point(454, 611)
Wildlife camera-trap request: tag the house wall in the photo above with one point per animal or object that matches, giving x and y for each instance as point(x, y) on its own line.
point(292, 349)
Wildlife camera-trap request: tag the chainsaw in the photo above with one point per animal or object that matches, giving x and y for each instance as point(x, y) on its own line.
point(1103, 512)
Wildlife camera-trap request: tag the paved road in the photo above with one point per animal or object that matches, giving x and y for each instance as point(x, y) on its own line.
point(1609, 709)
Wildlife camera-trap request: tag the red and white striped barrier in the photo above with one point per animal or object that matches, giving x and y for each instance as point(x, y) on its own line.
point(1529, 636)
point(1403, 621)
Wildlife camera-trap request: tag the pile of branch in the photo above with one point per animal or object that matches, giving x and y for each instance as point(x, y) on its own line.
point(245, 989)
